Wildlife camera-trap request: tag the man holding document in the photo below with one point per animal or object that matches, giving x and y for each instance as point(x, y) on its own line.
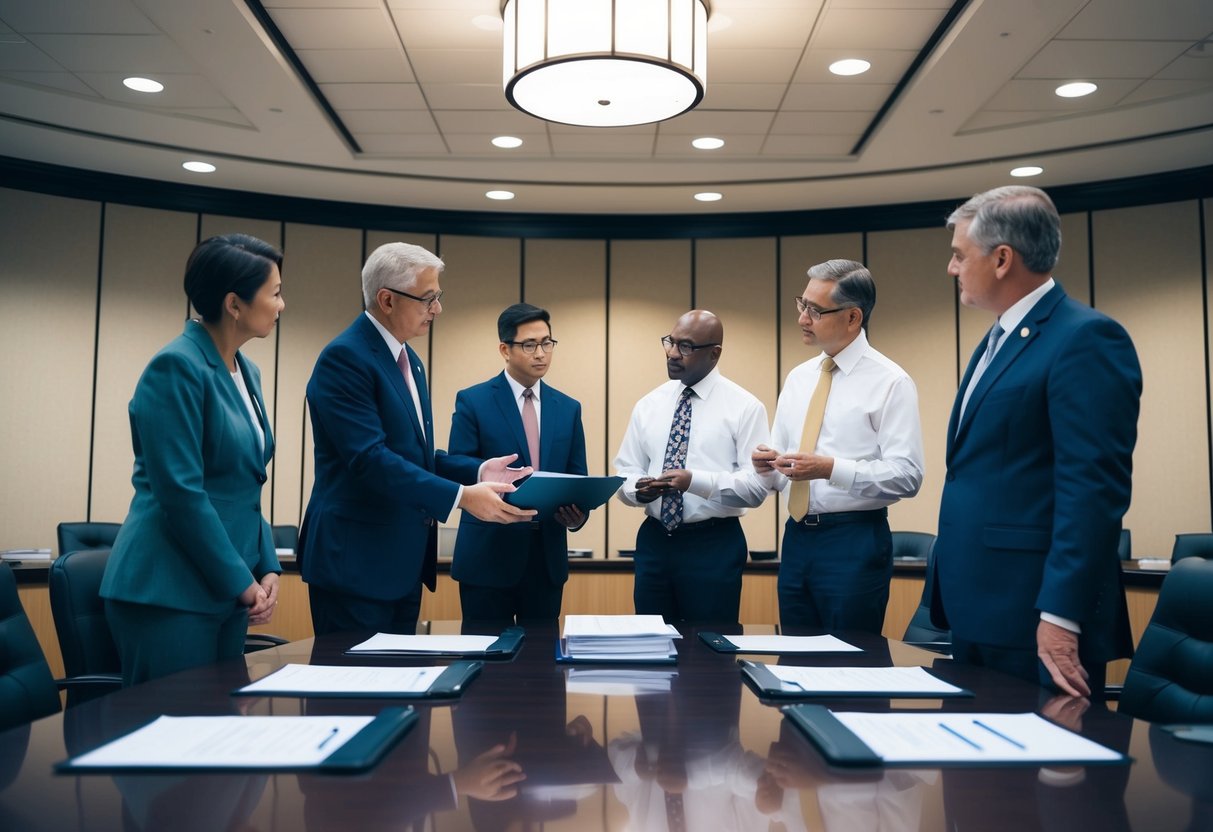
point(508, 572)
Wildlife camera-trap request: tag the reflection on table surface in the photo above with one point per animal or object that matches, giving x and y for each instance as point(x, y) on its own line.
point(659, 748)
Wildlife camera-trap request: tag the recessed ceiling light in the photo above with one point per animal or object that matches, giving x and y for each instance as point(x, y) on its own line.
point(1076, 89)
point(198, 167)
point(850, 66)
point(487, 22)
point(709, 196)
point(142, 84)
point(1027, 170)
point(507, 141)
point(708, 143)
point(500, 194)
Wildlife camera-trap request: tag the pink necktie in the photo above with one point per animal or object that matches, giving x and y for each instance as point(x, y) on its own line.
point(530, 424)
point(405, 370)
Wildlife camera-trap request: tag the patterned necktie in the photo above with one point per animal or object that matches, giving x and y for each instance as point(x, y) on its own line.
point(530, 424)
point(676, 457)
point(798, 497)
point(675, 812)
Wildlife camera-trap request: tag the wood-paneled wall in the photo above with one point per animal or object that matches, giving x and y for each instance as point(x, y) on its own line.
point(89, 291)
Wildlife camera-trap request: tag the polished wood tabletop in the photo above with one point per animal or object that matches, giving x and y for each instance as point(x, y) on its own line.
point(688, 746)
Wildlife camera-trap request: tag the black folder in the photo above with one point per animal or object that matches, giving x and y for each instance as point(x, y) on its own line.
point(449, 685)
point(768, 686)
point(360, 753)
point(504, 648)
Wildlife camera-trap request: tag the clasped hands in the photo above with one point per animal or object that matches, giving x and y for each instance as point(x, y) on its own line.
point(649, 489)
point(792, 466)
point(261, 598)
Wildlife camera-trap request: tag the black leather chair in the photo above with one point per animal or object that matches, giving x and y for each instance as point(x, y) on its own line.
point(27, 688)
point(921, 632)
point(1192, 545)
point(1171, 677)
point(1124, 547)
point(285, 537)
point(76, 536)
point(79, 611)
point(912, 545)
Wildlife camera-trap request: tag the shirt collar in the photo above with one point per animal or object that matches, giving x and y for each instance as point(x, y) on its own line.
point(704, 387)
point(850, 355)
point(394, 346)
point(517, 388)
point(1019, 310)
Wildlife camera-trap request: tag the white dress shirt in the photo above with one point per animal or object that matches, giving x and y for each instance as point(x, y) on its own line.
point(871, 429)
point(727, 423)
point(518, 390)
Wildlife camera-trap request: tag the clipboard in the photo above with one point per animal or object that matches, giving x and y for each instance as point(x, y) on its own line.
point(769, 686)
point(359, 753)
point(545, 492)
point(563, 657)
point(841, 746)
point(503, 649)
point(450, 684)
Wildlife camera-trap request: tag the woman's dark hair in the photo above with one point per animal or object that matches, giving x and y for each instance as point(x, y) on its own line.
point(230, 263)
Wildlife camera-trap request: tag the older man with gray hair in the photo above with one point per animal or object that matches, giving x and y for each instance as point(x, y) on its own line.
point(847, 444)
point(369, 537)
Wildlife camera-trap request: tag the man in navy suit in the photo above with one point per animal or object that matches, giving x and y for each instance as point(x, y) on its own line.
point(518, 571)
point(369, 537)
point(1039, 455)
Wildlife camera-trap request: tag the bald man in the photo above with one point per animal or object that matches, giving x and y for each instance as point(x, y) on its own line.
point(686, 461)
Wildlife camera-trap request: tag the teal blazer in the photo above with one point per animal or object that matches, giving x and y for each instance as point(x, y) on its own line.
point(194, 538)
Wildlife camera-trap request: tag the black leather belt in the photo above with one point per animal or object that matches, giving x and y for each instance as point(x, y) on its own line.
point(836, 517)
point(702, 525)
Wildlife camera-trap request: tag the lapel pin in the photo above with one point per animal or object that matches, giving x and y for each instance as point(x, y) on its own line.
point(1023, 333)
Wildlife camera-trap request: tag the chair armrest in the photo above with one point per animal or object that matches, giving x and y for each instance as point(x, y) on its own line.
point(262, 641)
point(89, 681)
point(1112, 692)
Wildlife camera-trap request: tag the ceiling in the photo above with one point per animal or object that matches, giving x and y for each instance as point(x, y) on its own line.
point(406, 96)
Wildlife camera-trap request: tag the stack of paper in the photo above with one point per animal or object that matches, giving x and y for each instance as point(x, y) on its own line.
point(25, 554)
point(619, 638)
point(619, 681)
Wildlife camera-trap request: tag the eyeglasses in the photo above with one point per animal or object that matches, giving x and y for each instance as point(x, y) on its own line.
point(814, 313)
point(529, 347)
point(429, 302)
point(685, 348)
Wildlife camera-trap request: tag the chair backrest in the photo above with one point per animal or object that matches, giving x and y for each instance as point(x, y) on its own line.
point(1124, 547)
point(1171, 677)
point(79, 611)
point(285, 537)
point(912, 545)
point(1192, 545)
point(76, 536)
point(27, 689)
point(921, 630)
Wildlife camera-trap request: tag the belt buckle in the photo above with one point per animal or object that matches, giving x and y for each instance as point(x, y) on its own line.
point(814, 522)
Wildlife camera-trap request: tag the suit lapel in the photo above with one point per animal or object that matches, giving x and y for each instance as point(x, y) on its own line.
point(259, 406)
point(549, 417)
point(1014, 345)
point(383, 356)
point(503, 395)
point(953, 428)
point(223, 380)
point(423, 393)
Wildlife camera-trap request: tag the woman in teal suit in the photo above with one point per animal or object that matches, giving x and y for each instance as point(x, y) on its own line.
point(194, 563)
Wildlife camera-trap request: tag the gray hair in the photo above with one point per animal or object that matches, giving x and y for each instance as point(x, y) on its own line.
point(395, 266)
point(1018, 216)
point(853, 285)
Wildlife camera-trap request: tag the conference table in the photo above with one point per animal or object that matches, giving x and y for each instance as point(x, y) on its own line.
point(688, 746)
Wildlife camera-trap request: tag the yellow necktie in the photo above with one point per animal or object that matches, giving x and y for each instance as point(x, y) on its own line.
point(798, 497)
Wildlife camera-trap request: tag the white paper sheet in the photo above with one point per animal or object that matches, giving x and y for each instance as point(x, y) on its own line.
point(609, 626)
point(464, 645)
point(792, 644)
point(310, 678)
point(228, 742)
point(619, 682)
point(890, 680)
point(963, 738)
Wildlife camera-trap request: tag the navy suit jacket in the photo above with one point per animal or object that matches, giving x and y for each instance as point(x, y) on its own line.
point(369, 529)
point(487, 424)
point(1039, 475)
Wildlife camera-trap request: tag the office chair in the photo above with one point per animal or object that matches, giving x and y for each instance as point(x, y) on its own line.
point(921, 632)
point(27, 689)
point(79, 612)
point(912, 545)
point(76, 536)
point(1171, 677)
point(1192, 545)
point(285, 537)
point(1124, 547)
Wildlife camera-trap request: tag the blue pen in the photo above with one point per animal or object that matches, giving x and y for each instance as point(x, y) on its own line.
point(325, 741)
point(959, 736)
point(1000, 735)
